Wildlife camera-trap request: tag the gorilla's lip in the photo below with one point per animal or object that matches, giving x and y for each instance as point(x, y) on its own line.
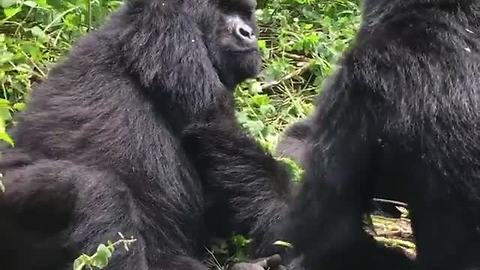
point(243, 51)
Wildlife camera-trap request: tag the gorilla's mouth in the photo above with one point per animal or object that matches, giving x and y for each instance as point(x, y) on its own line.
point(245, 51)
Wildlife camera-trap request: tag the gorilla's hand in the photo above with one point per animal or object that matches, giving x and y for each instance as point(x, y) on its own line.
point(215, 142)
point(214, 137)
point(270, 263)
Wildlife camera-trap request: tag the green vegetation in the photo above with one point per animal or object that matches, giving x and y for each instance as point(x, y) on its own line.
point(104, 253)
point(300, 41)
point(34, 34)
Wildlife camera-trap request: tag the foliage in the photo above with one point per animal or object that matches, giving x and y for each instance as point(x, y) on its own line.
point(34, 34)
point(295, 169)
point(225, 253)
point(299, 39)
point(101, 258)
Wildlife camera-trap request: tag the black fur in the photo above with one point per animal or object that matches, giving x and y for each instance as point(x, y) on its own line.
point(295, 143)
point(398, 119)
point(98, 149)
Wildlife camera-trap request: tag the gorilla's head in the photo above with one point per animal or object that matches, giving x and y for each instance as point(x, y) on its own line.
point(230, 34)
point(177, 41)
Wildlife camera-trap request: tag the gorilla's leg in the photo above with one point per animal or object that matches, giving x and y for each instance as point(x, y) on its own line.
point(443, 220)
point(57, 206)
point(332, 211)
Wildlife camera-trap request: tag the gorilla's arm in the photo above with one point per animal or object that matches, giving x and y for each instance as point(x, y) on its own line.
point(258, 188)
point(45, 200)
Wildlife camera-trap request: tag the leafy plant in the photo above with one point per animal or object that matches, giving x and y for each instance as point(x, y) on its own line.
point(299, 40)
point(295, 168)
point(225, 253)
point(102, 256)
point(35, 33)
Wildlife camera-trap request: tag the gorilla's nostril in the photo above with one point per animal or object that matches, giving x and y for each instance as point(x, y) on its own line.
point(246, 33)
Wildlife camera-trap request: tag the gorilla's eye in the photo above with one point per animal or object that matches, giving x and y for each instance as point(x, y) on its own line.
point(246, 13)
point(242, 7)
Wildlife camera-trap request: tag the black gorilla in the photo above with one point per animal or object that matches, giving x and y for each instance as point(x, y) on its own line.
point(399, 119)
point(98, 150)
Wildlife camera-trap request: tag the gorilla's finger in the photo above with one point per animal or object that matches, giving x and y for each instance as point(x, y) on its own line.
point(247, 266)
point(274, 261)
point(261, 262)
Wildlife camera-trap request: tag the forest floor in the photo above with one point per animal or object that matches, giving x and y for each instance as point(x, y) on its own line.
point(395, 232)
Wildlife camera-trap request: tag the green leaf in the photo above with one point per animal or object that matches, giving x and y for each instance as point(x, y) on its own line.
point(102, 256)
point(295, 169)
point(5, 137)
point(20, 106)
point(283, 244)
point(240, 241)
point(7, 3)
point(81, 262)
point(5, 114)
point(255, 88)
point(42, 3)
point(30, 4)
point(38, 32)
point(262, 44)
point(11, 11)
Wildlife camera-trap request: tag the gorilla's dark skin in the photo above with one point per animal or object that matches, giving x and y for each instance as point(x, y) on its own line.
point(98, 150)
point(399, 120)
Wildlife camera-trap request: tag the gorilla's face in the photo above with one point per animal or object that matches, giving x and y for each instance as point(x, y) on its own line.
point(230, 33)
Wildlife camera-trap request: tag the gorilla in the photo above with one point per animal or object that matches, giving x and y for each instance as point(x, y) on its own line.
point(398, 119)
point(99, 150)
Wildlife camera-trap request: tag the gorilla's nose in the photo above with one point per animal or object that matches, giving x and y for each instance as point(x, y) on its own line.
point(245, 33)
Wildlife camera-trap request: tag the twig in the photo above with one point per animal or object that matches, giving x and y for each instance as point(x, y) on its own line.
point(296, 57)
point(391, 202)
point(216, 263)
point(408, 247)
point(289, 76)
point(396, 242)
